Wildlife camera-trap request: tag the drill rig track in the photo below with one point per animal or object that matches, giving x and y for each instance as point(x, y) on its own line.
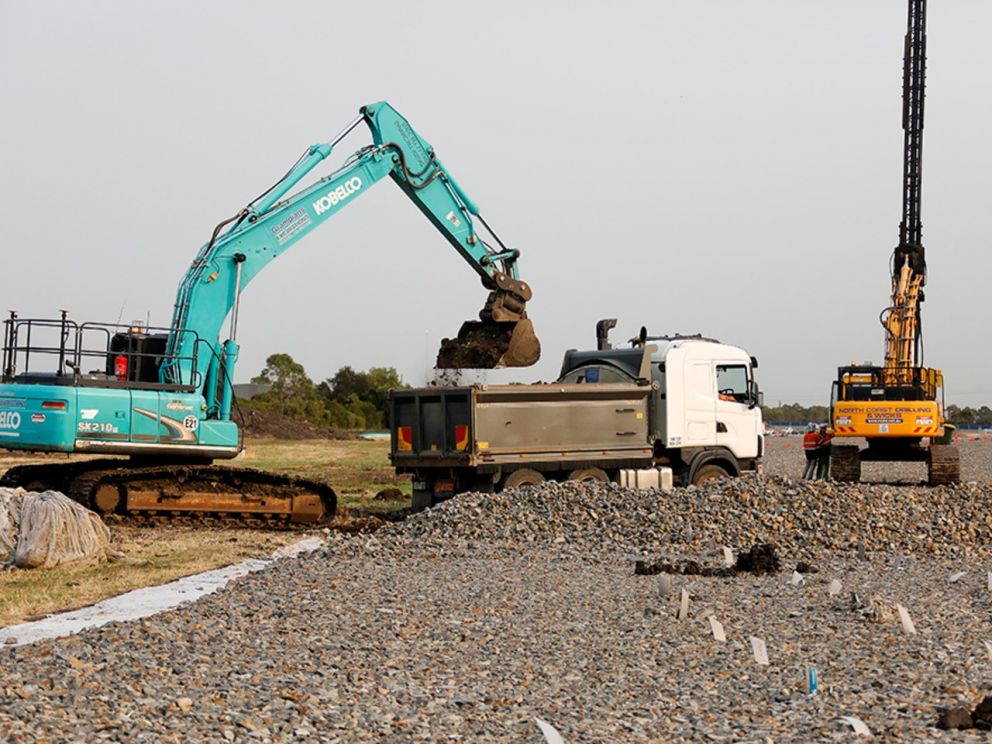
point(116, 486)
point(943, 465)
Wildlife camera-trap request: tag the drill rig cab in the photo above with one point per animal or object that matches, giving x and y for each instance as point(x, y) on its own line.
point(898, 408)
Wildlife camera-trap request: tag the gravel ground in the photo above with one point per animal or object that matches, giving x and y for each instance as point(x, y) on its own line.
point(784, 456)
point(466, 622)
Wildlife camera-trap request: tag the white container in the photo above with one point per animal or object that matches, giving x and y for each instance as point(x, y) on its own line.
point(656, 478)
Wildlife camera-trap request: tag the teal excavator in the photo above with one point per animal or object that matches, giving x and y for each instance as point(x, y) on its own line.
point(159, 400)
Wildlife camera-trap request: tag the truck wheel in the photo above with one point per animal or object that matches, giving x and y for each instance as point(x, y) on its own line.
point(522, 477)
point(597, 475)
point(707, 473)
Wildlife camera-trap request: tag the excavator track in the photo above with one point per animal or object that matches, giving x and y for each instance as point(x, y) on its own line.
point(943, 465)
point(845, 463)
point(184, 490)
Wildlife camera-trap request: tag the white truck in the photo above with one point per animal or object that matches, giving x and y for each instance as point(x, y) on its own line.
point(682, 409)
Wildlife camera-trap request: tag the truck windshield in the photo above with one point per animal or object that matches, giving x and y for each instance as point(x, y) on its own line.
point(731, 382)
point(593, 373)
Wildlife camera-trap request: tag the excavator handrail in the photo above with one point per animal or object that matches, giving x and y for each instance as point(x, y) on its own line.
point(73, 348)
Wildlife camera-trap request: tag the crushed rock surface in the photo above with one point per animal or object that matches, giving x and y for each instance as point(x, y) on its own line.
point(467, 622)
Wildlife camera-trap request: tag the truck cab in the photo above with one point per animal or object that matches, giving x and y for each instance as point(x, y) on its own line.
point(705, 404)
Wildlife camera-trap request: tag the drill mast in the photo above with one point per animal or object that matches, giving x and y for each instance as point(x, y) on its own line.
point(902, 322)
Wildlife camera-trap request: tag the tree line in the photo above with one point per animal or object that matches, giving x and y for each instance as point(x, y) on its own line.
point(349, 400)
point(352, 399)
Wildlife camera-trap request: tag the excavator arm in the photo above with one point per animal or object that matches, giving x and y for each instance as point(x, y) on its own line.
point(271, 224)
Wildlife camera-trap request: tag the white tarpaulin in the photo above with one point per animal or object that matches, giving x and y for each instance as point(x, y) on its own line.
point(52, 529)
point(10, 520)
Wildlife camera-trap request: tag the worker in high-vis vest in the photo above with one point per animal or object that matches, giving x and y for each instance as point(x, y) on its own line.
point(816, 447)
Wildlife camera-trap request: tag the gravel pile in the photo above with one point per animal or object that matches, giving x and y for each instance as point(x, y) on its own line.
point(467, 622)
point(802, 518)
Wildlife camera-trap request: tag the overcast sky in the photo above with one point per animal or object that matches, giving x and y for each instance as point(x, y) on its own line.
point(724, 167)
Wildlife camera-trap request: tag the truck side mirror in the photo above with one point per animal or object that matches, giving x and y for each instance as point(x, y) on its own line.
point(755, 397)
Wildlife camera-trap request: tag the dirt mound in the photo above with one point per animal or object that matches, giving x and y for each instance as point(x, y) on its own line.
point(274, 425)
point(760, 559)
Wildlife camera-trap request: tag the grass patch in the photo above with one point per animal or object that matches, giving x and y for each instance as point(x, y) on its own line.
point(351, 466)
point(356, 469)
point(167, 553)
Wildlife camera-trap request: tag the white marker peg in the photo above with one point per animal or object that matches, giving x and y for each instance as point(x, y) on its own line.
point(551, 735)
point(684, 605)
point(797, 579)
point(728, 557)
point(990, 581)
point(954, 577)
point(860, 729)
point(717, 627)
point(664, 586)
point(760, 650)
point(988, 648)
point(835, 588)
point(904, 618)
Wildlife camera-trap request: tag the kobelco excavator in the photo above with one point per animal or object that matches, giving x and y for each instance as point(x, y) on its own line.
point(898, 407)
point(163, 397)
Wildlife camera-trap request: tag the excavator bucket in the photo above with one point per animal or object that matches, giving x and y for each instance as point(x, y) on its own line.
point(489, 344)
point(502, 337)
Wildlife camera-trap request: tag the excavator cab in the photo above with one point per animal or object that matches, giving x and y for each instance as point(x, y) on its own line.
point(502, 337)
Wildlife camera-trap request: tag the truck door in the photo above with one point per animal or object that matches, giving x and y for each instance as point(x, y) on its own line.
point(699, 403)
point(736, 422)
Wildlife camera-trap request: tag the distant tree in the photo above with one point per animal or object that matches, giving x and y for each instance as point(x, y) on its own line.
point(284, 375)
point(348, 400)
point(292, 394)
point(794, 413)
point(365, 392)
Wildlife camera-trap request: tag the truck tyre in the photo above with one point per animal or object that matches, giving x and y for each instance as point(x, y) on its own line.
point(522, 477)
point(707, 473)
point(845, 463)
point(597, 475)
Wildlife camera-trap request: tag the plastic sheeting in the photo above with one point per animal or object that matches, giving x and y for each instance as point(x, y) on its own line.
point(52, 529)
point(10, 520)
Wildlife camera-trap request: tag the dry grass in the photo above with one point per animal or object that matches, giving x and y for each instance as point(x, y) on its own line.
point(166, 553)
point(356, 469)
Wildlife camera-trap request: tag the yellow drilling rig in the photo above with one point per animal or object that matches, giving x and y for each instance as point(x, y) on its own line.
point(899, 407)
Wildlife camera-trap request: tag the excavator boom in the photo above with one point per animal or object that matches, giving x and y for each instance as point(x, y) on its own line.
point(163, 396)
